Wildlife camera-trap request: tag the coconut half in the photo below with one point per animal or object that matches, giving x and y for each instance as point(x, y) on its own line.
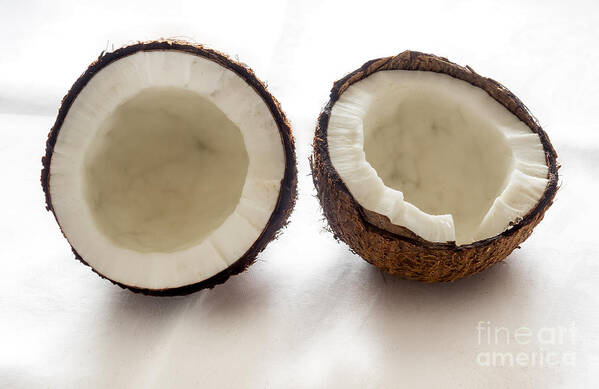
point(429, 170)
point(169, 167)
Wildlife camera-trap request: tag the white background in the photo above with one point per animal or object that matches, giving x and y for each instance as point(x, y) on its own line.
point(308, 314)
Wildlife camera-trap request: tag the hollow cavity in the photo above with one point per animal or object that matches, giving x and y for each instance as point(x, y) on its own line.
point(164, 170)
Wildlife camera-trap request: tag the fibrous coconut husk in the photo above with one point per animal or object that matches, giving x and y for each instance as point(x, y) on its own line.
point(396, 249)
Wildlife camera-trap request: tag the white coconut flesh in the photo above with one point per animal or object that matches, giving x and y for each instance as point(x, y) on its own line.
point(436, 155)
point(166, 169)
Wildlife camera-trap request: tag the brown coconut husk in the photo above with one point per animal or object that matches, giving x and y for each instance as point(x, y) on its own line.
point(288, 190)
point(396, 249)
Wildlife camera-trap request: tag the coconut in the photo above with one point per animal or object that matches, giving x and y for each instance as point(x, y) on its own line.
point(169, 167)
point(428, 170)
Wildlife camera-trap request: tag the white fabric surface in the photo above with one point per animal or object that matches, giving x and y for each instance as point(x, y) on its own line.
point(308, 314)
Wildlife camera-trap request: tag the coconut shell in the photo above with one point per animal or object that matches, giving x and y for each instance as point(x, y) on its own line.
point(396, 249)
point(288, 190)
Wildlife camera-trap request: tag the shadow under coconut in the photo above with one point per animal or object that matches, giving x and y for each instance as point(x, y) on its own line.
point(139, 330)
point(417, 324)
